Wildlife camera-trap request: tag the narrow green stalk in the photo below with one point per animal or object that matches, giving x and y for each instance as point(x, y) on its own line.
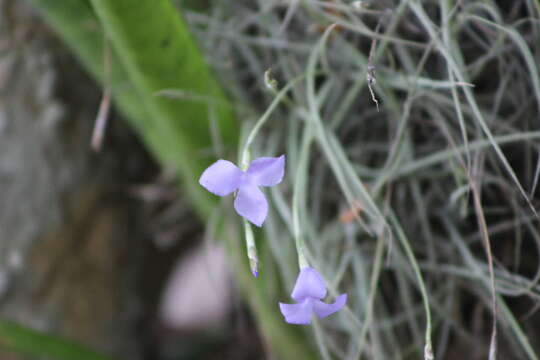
point(428, 349)
point(251, 248)
point(299, 196)
point(245, 157)
point(280, 96)
point(374, 282)
point(251, 245)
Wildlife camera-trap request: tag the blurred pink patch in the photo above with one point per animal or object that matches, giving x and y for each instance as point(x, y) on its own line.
point(199, 292)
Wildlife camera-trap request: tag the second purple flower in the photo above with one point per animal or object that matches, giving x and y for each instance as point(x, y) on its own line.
point(223, 178)
point(308, 292)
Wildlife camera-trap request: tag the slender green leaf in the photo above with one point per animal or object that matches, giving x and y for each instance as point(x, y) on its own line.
point(34, 343)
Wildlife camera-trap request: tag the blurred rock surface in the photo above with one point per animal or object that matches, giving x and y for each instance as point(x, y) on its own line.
point(70, 238)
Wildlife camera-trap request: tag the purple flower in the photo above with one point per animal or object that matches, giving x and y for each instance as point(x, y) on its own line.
point(308, 292)
point(223, 177)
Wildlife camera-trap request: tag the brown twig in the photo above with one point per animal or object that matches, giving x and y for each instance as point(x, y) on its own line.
point(370, 76)
point(482, 224)
point(105, 104)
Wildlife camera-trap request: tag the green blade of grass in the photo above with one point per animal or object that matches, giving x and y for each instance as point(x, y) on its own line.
point(162, 55)
point(30, 342)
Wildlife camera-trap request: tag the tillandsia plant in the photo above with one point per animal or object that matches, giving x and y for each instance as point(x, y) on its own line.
point(223, 178)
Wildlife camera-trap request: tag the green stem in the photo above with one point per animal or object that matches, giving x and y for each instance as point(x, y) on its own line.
point(428, 349)
point(300, 185)
point(251, 249)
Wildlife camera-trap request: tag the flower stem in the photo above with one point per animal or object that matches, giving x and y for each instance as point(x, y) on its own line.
point(299, 196)
point(251, 248)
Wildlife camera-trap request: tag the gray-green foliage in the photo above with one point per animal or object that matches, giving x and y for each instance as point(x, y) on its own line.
point(457, 84)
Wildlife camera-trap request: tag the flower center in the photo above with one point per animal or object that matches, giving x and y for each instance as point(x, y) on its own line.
point(246, 179)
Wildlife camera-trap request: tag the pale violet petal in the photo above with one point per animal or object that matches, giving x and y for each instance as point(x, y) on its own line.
point(221, 178)
point(322, 309)
point(298, 314)
point(267, 171)
point(251, 203)
point(309, 284)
